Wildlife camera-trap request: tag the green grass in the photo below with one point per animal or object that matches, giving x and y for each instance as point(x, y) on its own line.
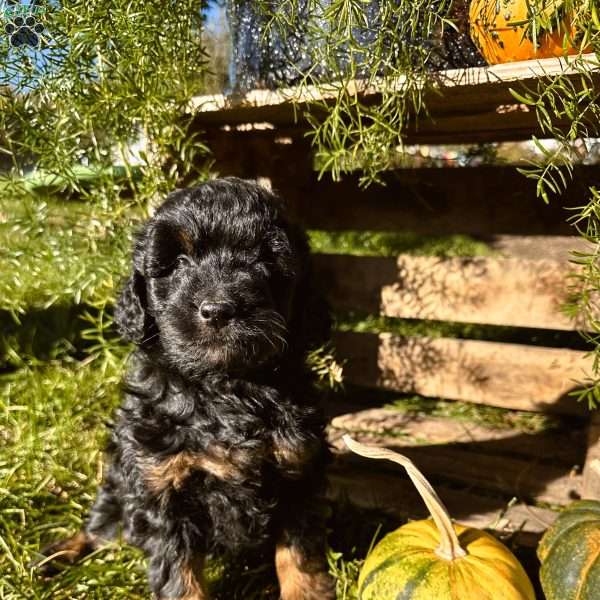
point(368, 323)
point(60, 253)
point(478, 414)
point(387, 243)
point(52, 425)
point(43, 181)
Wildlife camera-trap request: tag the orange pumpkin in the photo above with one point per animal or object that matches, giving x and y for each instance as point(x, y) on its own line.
point(499, 29)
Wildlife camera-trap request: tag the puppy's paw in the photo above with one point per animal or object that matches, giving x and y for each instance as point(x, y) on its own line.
point(64, 553)
point(301, 576)
point(316, 586)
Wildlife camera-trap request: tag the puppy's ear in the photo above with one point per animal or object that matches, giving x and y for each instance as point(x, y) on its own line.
point(130, 311)
point(155, 251)
point(163, 243)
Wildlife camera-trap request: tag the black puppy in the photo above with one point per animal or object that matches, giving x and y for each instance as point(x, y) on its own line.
point(218, 446)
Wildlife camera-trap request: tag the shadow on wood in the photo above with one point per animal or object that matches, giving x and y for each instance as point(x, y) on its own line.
point(489, 290)
point(489, 477)
point(497, 374)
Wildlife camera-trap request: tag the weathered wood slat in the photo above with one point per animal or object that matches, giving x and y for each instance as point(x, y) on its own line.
point(475, 104)
point(591, 473)
point(559, 446)
point(395, 495)
point(494, 291)
point(481, 201)
point(459, 463)
point(497, 374)
point(547, 247)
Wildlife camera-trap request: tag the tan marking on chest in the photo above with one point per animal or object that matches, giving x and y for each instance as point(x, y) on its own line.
point(174, 470)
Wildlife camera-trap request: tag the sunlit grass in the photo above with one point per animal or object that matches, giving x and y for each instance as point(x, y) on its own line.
point(388, 243)
point(60, 252)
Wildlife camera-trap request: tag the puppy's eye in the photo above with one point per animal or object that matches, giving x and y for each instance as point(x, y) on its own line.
point(261, 268)
point(183, 260)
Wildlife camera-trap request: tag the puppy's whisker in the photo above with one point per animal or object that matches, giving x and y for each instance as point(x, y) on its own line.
point(273, 336)
point(261, 333)
point(149, 339)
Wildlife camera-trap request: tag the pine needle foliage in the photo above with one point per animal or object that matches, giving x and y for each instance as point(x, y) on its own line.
point(107, 75)
point(391, 48)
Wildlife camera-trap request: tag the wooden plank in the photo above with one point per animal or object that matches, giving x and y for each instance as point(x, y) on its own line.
point(591, 472)
point(506, 375)
point(454, 463)
point(474, 104)
point(218, 106)
point(562, 445)
point(480, 201)
point(394, 494)
point(497, 199)
point(549, 247)
point(283, 156)
point(489, 290)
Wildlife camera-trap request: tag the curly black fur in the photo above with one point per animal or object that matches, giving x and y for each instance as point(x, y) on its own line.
point(219, 445)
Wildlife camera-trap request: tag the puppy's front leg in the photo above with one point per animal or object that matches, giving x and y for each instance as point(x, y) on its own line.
point(295, 452)
point(176, 577)
point(294, 461)
point(301, 566)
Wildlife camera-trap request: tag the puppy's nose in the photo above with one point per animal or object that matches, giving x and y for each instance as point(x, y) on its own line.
point(216, 311)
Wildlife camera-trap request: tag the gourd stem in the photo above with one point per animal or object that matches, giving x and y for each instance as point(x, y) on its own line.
point(449, 548)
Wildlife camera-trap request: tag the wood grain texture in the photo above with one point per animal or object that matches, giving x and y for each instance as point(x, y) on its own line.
point(474, 105)
point(496, 76)
point(395, 494)
point(483, 201)
point(497, 374)
point(526, 479)
point(479, 201)
point(563, 445)
point(591, 472)
point(536, 247)
point(488, 290)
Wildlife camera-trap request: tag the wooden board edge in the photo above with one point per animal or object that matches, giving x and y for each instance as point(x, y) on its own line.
point(467, 370)
point(473, 76)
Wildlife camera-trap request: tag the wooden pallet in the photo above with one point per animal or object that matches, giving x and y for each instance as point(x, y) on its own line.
point(522, 284)
point(498, 479)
